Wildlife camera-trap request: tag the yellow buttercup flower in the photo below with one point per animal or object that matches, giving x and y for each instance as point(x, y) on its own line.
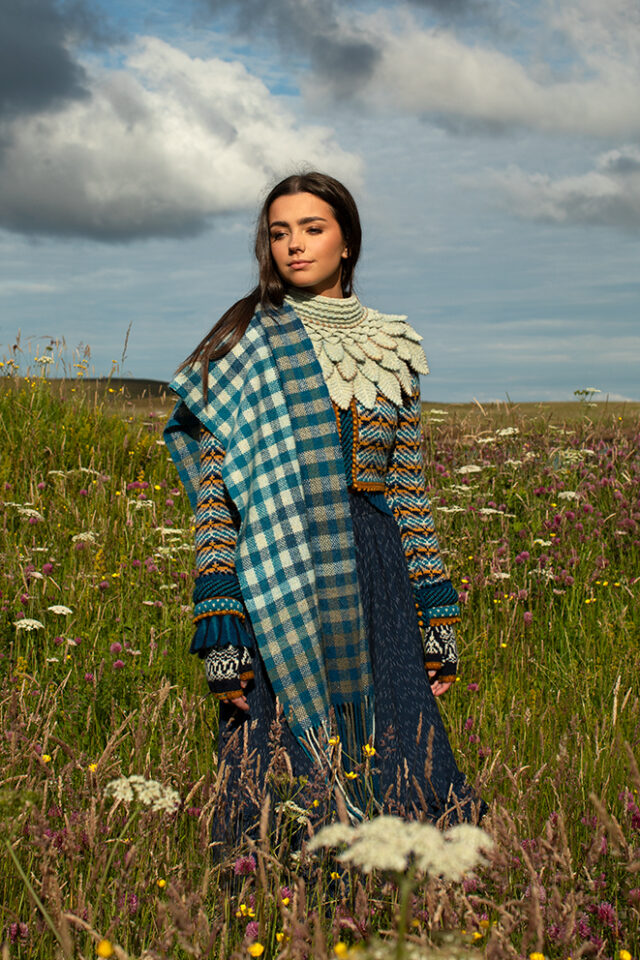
point(351, 775)
point(369, 750)
point(105, 948)
point(256, 950)
point(45, 758)
point(341, 949)
point(93, 767)
point(625, 955)
point(536, 956)
point(161, 883)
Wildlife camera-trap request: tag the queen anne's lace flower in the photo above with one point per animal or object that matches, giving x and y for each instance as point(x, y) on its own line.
point(84, 537)
point(29, 513)
point(151, 793)
point(60, 609)
point(28, 624)
point(390, 843)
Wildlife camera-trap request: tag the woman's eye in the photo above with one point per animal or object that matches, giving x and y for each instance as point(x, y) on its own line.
point(314, 230)
point(277, 236)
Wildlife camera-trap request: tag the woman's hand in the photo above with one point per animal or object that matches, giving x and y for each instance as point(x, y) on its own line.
point(438, 687)
point(241, 702)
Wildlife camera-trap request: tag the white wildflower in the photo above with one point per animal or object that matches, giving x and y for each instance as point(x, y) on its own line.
point(460, 851)
point(34, 575)
point(450, 509)
point(461, 488)
point(28, 624)
point(542, 543)
point(469, 468)
point(44, 360)
point(442, 413)
point(297, 813)
point(331, 836)
point(512, 463)
point(165, 531)
point(486, 440)
point(151, 793)
point(28, 512)
point(60, 609)
point(140, 504)
point(52, 660)
point(488, 511)
point(85, 537)
point(389, 843)
point(95, 473)
point(436, 420)
point(500, 575)
point(56, 473)
point(567, 495)
point(507, 432)
point(164, 552)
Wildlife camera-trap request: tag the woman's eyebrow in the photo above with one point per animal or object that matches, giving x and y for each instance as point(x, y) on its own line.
point(283, 223)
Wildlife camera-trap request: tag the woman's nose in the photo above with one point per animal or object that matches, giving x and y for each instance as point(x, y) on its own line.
point(296, 241)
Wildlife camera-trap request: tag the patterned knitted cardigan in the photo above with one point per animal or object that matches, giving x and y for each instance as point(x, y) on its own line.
point(288, 554)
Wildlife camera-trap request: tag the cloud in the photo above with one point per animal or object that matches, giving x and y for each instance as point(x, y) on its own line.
point(577, 71)
point(338, 52)
point(607, 196)
point(433, 73)
point(38, 68)
point(156, 149)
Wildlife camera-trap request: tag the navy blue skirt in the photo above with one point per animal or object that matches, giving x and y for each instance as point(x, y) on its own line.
point(416, 773)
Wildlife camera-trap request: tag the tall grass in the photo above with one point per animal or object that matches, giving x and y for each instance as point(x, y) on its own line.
point(540, 522)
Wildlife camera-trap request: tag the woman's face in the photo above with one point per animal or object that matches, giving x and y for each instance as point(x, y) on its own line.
point(307, 244)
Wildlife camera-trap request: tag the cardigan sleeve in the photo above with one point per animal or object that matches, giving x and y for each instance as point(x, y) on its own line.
point(435, 597)
point(222, 638)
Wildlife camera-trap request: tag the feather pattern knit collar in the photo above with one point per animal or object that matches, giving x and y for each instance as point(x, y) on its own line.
point(361, 352)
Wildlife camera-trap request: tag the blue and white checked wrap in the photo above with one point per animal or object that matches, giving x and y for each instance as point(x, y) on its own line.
point(269, 407)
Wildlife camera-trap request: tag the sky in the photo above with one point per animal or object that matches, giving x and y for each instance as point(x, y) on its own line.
point(493, 148)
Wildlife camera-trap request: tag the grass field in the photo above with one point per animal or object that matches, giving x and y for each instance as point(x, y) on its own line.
point(538, 510)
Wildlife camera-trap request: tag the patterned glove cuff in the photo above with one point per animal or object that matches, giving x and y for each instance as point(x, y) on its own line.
point(225, 667)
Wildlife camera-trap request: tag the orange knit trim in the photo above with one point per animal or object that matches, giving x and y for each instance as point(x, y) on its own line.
point(217, 613)
point(373, 487)
point(439, 621)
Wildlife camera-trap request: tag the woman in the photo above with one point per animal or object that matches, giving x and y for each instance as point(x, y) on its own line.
point(322, 607)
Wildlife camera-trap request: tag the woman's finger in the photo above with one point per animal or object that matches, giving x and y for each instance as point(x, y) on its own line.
point(240, 703)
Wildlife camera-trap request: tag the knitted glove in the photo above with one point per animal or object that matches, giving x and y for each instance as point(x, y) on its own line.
point(225, 667)
point(441, 651)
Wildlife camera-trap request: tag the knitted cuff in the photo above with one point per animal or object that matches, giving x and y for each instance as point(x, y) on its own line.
point(225, 667)
point(436, 603)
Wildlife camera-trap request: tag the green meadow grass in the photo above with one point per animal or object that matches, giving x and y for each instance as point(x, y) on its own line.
point(538, 514)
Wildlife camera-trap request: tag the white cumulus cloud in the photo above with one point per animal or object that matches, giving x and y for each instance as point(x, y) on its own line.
point(434, 72)
point(609, 195)
point(157, 148)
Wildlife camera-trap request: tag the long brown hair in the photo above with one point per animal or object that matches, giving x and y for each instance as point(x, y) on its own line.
point(270, 291)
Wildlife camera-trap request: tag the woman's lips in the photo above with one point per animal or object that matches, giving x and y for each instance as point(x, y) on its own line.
point(299, 264)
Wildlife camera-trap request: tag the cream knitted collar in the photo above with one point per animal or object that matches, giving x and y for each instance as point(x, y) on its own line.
point(362, 352)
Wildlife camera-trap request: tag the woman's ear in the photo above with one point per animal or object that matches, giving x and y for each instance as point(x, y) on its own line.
point(345, 253)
